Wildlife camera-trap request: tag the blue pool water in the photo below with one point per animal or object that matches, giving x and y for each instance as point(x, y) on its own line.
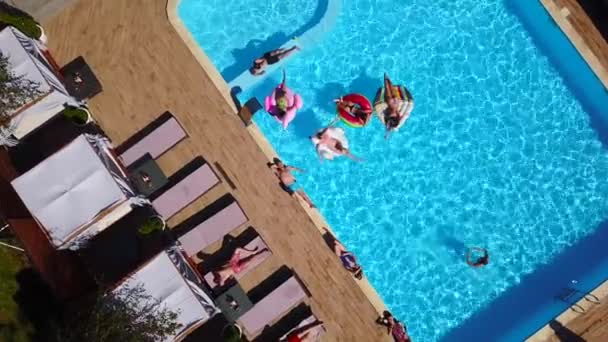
point(498, 152)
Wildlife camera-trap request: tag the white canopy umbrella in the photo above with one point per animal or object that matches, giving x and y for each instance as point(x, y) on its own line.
point(77, 192)
point(170, 281)
point(26, 59)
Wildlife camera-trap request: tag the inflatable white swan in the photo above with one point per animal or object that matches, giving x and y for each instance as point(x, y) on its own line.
point(323, 150)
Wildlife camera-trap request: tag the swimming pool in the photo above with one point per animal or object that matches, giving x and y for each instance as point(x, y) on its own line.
point(503, 150)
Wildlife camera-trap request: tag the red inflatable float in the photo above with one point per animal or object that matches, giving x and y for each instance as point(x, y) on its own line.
point(359, 114)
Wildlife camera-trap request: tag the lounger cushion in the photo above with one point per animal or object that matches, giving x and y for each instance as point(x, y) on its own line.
point(272, 306)
point(213, 229)
point(156, 143)
point(185, 192)
point(255, 243)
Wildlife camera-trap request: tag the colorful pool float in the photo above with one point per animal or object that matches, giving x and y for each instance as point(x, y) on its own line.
point(406, 104)
point(323, 150)
point(351, 119)
point(294, 102)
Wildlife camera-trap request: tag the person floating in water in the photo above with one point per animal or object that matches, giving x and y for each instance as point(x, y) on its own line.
point(393, 105)
point(354, 109)
point(269, 58)
point(288, 181)
point(479, 261)
point(331, 142)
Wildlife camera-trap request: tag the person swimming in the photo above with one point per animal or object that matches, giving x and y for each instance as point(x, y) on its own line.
point(269, 58)
point(480, 261)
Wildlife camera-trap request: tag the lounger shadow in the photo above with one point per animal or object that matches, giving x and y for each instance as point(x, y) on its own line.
point(156, 138)
point(203, 228)
point(270, 307)
point(184, 189)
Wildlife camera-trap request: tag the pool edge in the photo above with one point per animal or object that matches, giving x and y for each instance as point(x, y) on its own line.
point(219, 82)
point(561, 15)
point(544, 333)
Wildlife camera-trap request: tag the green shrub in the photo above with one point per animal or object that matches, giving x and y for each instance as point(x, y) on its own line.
point(231, 334)
point(76, 115)
point(27, 26)
point(150, 225)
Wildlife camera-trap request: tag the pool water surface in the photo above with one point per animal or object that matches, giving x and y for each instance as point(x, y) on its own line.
point(497, 153)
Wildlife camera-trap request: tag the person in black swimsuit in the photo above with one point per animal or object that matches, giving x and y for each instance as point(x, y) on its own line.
point(269, 58)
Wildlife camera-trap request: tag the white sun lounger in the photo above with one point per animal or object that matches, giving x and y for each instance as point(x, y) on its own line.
point(272, 307)
point(185, 192)
point(212, 229)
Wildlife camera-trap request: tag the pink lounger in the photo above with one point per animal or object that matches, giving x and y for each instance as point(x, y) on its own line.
point(255, 243)
point(157, 142)
point(185, 192)
point(213, 229)
point(273, 306)
point(303, 323)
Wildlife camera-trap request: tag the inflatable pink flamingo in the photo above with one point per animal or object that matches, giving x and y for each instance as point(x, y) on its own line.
point(286, 114)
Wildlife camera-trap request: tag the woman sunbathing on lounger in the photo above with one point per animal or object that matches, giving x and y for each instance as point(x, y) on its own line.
point(240, 260)
point(397, 329)
point(269, 58)
point(348, 259)
point(307, 333)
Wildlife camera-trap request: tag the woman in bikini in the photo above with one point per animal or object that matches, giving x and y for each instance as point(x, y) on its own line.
point(307, 333)
point(348, 259)
point(354, 109)
point(269, 58)
point(392, 117)
point(394, 327)
point(240, 260)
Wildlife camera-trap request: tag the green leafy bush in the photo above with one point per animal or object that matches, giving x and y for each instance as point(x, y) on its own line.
point(76, 115)
point(150, 225)
point(232, 334)
point(27, 26)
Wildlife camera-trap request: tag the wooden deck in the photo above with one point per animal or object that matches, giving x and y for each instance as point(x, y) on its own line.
point(146, 69)
point(579, 28)
point(591, 326)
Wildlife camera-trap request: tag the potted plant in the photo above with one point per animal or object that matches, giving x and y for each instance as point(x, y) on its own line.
point(80, 116)
point(151, 225)
point(232, 333)
point(27, 25)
